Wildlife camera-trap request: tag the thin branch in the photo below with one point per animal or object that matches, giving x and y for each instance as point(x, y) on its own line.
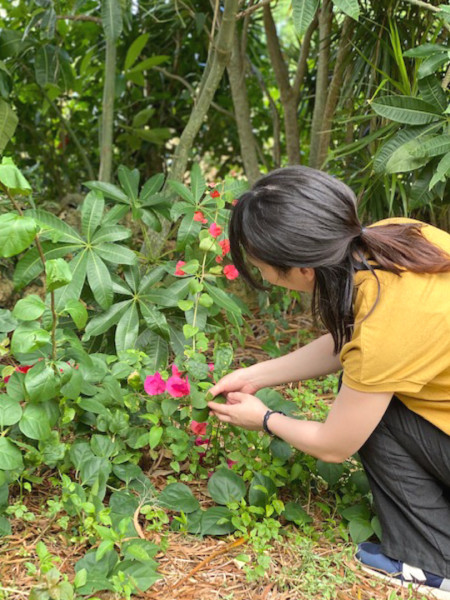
point(79, 18)
point(188, 86)
point(253, 8)
point(427, 6)
point(303, 59)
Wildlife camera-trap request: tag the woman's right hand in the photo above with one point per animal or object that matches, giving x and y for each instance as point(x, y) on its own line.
point(241, 380)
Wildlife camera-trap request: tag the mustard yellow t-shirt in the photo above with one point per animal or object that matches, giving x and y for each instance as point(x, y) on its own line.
point(404, 345)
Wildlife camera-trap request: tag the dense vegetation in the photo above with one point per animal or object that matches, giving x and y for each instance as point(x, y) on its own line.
point(128, 130)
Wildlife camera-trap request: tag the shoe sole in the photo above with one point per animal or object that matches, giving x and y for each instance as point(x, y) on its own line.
point(417, 587)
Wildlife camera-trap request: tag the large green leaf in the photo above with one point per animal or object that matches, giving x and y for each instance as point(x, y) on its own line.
point(29, 308)
point(35, 422)
point(106, 320)
point(72, 291)
point(10, 411)
point(442, 171)
point(432, 92)
point(226, 486)
point(303, 12)
point(360, 530)
point(116, 254)
point(198, 185)
point(331, 472)
point(170, 296)
point(425, 50)
point(216, 520)
point(63, 232)
point(182, 191)
point(41, 383)
point(92, 213)
point(46, 65)
point(109, 190)
point(11, 177)
point(402, 160)
point(10, 456)
point(127, 329)
point(16, 233)
point(222, 299)
point(155, 320)
point(432, 64)
point(398, 139)
point(151, 186)
point(134, 50)
point(112, 19)
point(435, 146)
point(152, 277)
point(99, 280)
point(110, 233)
point(129, 180)
point(188, 231)
point(8, 124)
point(177, 496)
point(404, 109)
point(156, 349)
point(349, 7)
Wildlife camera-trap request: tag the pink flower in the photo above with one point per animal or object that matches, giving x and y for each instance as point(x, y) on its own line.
point(230, 272)
point(230, 463)
point(198, 428)
point(211, 366)
point(154, 384)
point(201, 441)
point(200, 217)
point(211, 184)
point(219, 259)
point(225, 245)
point(215, 230)
point(178, 269)
point(177, 386)
point(175, 371)
point(215, 194)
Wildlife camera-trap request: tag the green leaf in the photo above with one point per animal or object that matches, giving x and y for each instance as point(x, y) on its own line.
point(349, 7)
point(35, 422)
point(404, 109)
point(46, 65)
point(116, 254)
point(129, 180)
point(112, 19)
point(425, 50)
point(442, 171)
point(398, 139)
point(222, 299)
point(92, 405)
point(402, 160)
point(29, 308)
point(134, 50)
point(77, 310)
point(223, 356)
point(293, 511)
point(216, 521)
point(303, 12)
point(30, 265)
point(226, 486)
point(58, 274)
point(358, 511)
point(99, 280)
point(177, 496)
point(10, 456)
point(188, 231)
point(360, 530)
point(110, 233)
point(16, 233)
point(5, 526)
point(262, 488)
point(65, 233)
point(151, 186)
point(182, 191)
point(92, 213)
point(72, 290)
point(280, 449)
point(28, 337)
point(431, 91)
point(170, 296)
point(152, 277)
point(155, 435)
point(156, 349)
point(155, 319)
point(10, 411)
point(127, 329)
point(144, 575)
point(432, 64)
point(108, 189)
point(148, 63)
point(106, 320)
point(198, 185)
point(41, 382)
point(331, 472)
point(435, 146)
point(8, 124)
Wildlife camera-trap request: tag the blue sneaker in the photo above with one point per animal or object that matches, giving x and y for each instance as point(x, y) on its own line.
point(376, 563)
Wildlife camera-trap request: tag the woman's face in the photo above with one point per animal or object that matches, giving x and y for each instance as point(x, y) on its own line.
point(300, 279)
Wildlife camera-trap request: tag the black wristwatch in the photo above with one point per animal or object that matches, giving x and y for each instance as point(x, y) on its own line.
point(266, 418)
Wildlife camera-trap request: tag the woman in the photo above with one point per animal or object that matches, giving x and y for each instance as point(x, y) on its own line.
point(383, 292)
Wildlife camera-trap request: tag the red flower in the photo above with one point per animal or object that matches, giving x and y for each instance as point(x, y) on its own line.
point(200, 217)
point(178, 269)
point(201, 441)
point(231, 272)
point(19, 369)
point(176, 386)
point(215, 230)
point(215, 194)
point(219, 259)
point(198, 428)
point(230, 462)
point(225, 245)
point(154, 384)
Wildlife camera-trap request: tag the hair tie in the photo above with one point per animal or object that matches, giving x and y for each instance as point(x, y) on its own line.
point(363, 231)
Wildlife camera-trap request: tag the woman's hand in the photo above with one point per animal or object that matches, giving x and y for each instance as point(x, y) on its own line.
point(241, 380)
point(243, 410)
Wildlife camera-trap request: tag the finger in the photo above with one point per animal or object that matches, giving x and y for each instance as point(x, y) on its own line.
point(218, 388)
point(220, 409)
point(237, 397)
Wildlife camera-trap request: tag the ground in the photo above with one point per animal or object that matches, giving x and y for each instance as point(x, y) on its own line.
point(208, 569)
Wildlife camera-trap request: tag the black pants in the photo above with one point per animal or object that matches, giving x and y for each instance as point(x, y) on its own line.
point(407, 461)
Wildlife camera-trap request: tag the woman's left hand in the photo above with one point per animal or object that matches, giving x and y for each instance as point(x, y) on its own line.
point(243, 410)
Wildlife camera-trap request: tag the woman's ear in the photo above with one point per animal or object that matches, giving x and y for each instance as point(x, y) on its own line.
point(308, 273)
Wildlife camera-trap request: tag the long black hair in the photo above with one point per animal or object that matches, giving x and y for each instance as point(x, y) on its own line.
point(302, 217)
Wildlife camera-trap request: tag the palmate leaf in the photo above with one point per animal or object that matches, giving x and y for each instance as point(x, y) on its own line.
point(92, 213)
point(115, 215)
point(110, 233)
point(198, 184)
point(127, 329)
point(152, 277)
point(8, 124)
point(106, 320)
point(432, 64)
point(303, 13)
point(222, 299)
point(129, 180)
point(156, 349)
point(182, 191)
point(404, 109)
point(73, 289)
point(132, 277)
point(64, 232)
point(119, 286)
point(108, 190)
point(116, 254)
point(99, 280)
point(188, 230)
point(155, 320)
point(151, 186)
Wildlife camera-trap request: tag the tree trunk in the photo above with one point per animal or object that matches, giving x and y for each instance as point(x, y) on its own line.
point(214, 69)
point(334, 90)
point(106, 135)
point(325, 20)
point(236, 74)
